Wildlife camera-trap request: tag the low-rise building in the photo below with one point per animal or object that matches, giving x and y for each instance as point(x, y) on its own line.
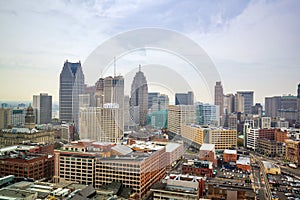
point(23, 161)
point(179, 187)
point(198, 168)
point(271, 168)
point(207, 152)
point(243, 163)
point(174, 152)
point(292, 153)
point(229, 155)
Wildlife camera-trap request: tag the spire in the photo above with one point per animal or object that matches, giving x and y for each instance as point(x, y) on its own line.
point(140, 67)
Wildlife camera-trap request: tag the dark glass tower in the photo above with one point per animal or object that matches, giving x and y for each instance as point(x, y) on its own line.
point(71, 85)
point(139, 98)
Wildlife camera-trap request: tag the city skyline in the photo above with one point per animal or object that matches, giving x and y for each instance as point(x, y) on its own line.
point(249, 39)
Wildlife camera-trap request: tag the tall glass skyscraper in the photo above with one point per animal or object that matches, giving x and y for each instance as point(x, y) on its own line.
point(43, 107)
point(139, 98)
point(71, 85)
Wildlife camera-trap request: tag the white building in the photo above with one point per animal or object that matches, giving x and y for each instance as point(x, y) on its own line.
point(266, 122)
point(252, 138)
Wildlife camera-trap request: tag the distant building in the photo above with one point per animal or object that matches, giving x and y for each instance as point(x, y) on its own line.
point(228, 103)
point(160, 102)
point(248, 100)
point(151, 95)
point(208, 114)
point(139, 98)
point(272, 104)
point(18, 117)
point(219, 97)
point(239, 103)
point(67, 132)
point(43, 105)
point(257, 109)
point(5, 118)
point(158, 119)
point(71, 85)
point(184, 98)
point(265, 122)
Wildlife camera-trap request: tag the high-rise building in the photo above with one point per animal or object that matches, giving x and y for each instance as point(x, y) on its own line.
point(5, 117)
point(252, 138)
point(248, 100)
point(100, 123)
point(184, 98)
point(229, 103)
point(179, 115)
point(29, 118)
point(272, 105)
point(151, 95)
point(139, 98)
point(18, 117)
point(265, 122)
point(239, 103)
point(219, 97)
point(257, 109)
point(160, 102)
point(43, 106)
point(71, 85)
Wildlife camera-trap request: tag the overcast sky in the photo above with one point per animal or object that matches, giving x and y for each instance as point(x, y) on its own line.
point(255, 45)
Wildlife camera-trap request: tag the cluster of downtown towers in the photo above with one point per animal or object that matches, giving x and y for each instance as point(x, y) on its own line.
point(105, 99)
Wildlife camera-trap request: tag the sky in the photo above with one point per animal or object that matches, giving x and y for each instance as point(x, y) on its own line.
point(254, 45)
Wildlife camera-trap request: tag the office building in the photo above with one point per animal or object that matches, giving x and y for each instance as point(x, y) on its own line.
point(184, 98)
point(229, 103)
point(18, 117)
point(139, 98)
point(219, 97)
point(193, 135)
point(272, 104)
point(42, 104)
point(128, 120)
point(265, 122)
point(211, 115)
point(248, 100)
point(239, 103)
point(29, 163)
point(5, 118)
point(71, 85)
point(174, 152)
point(257, 109)
point(252, 138)
point(67, 132)
point(221, 138)
point(158, 119)
point(93, 163)
point(160, 102)
point(100, 124)
point(198, 167)
point(179, 115)
point(151, 95)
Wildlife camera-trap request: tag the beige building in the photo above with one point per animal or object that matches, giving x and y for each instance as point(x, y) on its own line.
point(5, 117)
point(100, 124)
point(292, 153)
point(179, 115)
point(97, 164)
point(9, 137)
point(193, 133)
point(222, 138)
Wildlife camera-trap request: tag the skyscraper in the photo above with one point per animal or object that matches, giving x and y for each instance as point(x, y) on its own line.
point(298, 102)
point(184, 98)
point(219, 97)
point(139, 97)
point(71, 85)
point(43, 105)
point(248, 100)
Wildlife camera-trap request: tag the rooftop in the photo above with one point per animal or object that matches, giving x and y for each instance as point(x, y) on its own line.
point(207, 147)
point(243, 160)
point(172, 146)
point(230, 151)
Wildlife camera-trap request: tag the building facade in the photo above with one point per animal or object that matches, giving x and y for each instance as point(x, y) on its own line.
point(43, 105)
point(219, 97)
point(248, 100)
point(139, 98)
point(184, 98)
point(71, 85)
